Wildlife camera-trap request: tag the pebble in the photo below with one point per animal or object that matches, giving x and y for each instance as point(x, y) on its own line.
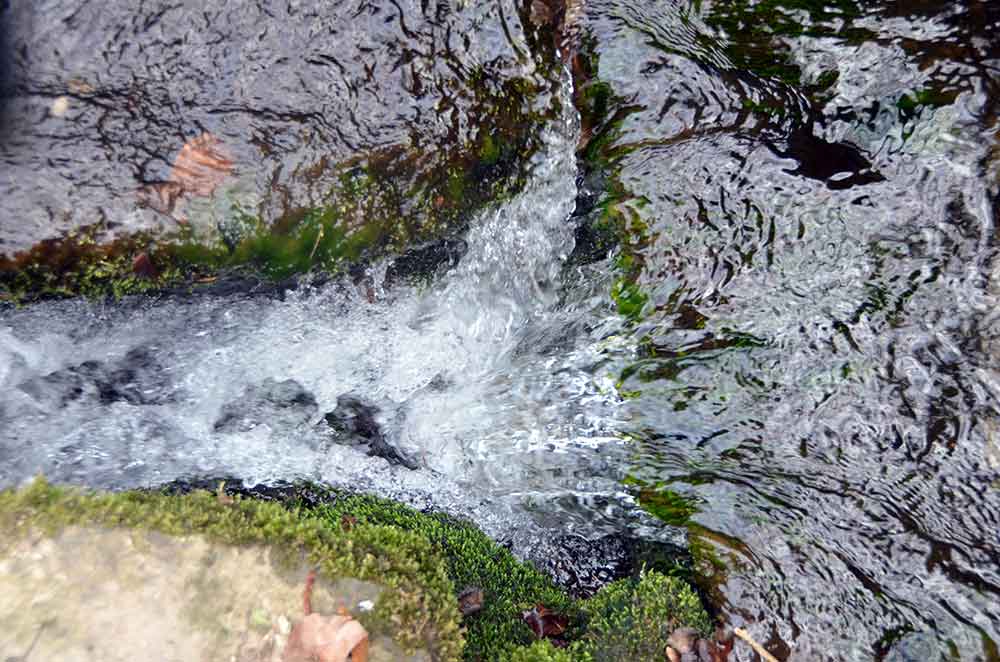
point(59, 107)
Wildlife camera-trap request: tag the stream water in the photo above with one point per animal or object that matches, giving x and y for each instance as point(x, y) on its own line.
point(810, 392)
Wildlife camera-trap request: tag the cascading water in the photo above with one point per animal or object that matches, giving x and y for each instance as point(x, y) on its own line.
point(473, 375)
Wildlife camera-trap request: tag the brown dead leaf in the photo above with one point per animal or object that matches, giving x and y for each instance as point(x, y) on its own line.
point(544, 623)
point(470, 600)
point(221, 496)
point(198, 169)
point(325, 638)
point(161, 196)
point(201, 166)
point(143, 267)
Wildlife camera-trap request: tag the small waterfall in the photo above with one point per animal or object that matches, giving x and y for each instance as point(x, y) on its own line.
point(474, 376)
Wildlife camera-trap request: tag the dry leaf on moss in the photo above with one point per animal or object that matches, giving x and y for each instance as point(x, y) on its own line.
point(544, 623)
point(325, 638)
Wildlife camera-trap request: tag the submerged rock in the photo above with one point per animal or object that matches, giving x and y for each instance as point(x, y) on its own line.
point(137, 378)
point(285, 403)
point(275, 138)
point(354, 422)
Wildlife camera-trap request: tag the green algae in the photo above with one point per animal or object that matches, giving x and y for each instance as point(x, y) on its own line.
point(753, 32)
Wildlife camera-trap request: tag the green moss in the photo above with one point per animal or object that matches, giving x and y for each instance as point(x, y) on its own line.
point(910, 104)
point(666, 505)
point(471, 559)
point(753, 29)
point(420, 598)
point(544, 651)
point(629, 298)
point(632, 619)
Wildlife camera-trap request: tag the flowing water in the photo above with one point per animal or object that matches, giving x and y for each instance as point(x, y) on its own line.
point(810, 388)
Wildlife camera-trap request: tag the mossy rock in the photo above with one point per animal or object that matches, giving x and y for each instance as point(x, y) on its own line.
point(391, 146)
point(632, 615)
point(632, 619)
point(413, 564)
point(127, 542)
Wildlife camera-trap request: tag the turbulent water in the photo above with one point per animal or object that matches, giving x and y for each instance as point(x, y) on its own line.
point(813, 375)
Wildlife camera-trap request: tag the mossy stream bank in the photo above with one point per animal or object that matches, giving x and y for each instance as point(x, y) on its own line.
point(411, 565)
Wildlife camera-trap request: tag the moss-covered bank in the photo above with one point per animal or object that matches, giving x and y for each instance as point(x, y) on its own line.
point(424, 560)
point(419, 597)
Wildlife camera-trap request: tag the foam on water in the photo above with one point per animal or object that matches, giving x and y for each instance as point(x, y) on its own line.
point(480, 375)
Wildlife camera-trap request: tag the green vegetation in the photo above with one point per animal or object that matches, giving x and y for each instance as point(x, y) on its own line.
point(910, 104)
point(471, 559)
point(372, 204)
point(752, 29)
point(419, 599)
point(422, 559)
point(632, 619)
point(544, 651)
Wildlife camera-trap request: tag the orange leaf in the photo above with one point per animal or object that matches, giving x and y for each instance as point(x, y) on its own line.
point(201, 165)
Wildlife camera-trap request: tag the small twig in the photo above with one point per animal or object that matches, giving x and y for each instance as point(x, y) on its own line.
point(319, 237)
point(307, 593)
point(760, 650)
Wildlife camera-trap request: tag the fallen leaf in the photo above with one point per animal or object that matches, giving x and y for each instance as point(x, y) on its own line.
point(544, 623)
point(201, 166)
point(161, 196)
point(470, 600)
point(143, 266)
point(685, 644)
point(221, 496)
point(325, 638)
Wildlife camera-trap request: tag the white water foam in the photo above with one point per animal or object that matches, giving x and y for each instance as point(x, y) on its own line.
point(485, 377)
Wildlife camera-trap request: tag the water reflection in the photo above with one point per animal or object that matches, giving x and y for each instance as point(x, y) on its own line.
point(810, 374)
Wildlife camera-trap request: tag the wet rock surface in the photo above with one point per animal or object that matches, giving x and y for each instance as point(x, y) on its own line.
point(801, 257)
point(284, 403)
point(358, 124)
point(355, 422)
point(137, 378)
point(88, 593)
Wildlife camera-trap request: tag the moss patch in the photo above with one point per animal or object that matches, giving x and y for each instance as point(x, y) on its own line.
point(419, 597)
point(632, 619)
point(471, 559)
